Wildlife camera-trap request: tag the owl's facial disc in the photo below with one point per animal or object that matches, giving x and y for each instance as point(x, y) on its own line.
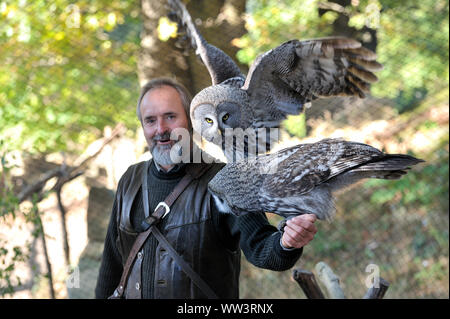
point(229, 115)
point(204, 120)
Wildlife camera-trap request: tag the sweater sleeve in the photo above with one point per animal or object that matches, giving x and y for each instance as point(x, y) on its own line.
point(111, 266)
point(258, 239)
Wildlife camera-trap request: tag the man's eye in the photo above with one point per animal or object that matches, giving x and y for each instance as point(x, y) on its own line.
point(208, 120)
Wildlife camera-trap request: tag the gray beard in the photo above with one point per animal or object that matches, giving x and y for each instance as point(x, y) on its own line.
point(161, 155)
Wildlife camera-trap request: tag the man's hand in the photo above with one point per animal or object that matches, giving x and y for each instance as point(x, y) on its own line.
point(299, 231)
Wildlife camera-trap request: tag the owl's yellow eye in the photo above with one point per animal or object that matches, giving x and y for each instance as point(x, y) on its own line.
point(208, 120)
point(225, 117)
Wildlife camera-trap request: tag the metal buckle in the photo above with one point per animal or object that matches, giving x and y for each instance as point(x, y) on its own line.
point(163, 204)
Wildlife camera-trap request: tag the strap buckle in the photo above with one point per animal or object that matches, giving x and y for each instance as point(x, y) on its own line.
point(154, 219)
point(164, 205)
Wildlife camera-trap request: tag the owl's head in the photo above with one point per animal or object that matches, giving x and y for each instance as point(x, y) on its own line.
point(215, 109)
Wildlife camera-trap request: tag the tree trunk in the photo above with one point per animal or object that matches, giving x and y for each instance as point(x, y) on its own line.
point(158, 58)
point(219, 22)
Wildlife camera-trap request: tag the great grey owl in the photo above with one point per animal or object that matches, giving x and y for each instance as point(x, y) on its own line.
point(301, 179)
point(280, 82)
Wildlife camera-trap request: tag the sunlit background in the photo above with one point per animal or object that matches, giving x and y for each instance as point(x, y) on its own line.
point(69, 80)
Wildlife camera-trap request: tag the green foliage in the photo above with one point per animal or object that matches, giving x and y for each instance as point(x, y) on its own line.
point(8, 261)
point(422, 188)
point(322, 244)
point(296, 125)
point(413, 45)
point(272, 22)
point(10, 257)
point(436, 270)
point(67, 71)
point(8, 207)
point(8, 201)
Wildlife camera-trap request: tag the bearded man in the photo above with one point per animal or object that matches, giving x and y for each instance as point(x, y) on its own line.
point(197, 251)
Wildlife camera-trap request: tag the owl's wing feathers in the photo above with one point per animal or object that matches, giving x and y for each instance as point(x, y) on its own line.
point(302, 178)
point(220, 66)
point(313, 164)
point(283, 79)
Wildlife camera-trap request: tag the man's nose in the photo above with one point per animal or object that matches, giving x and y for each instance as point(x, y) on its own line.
point(162, 127)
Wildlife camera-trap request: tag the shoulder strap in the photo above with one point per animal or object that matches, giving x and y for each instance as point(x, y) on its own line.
point(194, 171)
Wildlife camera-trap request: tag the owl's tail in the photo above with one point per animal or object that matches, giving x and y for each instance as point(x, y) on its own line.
point(391, 166)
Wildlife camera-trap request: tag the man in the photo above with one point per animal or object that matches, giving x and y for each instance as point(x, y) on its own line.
point(209, 241)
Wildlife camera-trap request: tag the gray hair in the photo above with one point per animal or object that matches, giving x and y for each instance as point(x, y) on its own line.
point(160, 82)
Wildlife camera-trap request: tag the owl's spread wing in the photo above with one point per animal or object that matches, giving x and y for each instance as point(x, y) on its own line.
point(305, 166)
point(220, 66)
point(283, 79)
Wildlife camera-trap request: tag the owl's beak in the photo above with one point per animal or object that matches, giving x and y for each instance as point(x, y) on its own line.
point(212, 138)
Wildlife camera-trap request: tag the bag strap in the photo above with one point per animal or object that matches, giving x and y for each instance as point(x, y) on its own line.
point(194, 171)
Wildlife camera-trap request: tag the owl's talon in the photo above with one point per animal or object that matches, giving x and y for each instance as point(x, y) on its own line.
point(281, 225)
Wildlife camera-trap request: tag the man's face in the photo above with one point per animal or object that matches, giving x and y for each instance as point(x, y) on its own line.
point(161, 112)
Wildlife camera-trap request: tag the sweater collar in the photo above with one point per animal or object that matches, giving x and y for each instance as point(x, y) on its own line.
point(175, 172)
point(173, 169)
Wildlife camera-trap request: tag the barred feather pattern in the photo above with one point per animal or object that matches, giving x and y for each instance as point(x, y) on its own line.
point(302, 179)
point(297, 72)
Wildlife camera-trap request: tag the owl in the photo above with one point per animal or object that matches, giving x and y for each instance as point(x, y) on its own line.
point(302, 179)
point(237, 113)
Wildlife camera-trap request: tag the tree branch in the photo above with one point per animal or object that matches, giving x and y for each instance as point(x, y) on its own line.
point(330, 281)
point(64, 227)
point(63, 173)
point(377, 293)
point(308, 283)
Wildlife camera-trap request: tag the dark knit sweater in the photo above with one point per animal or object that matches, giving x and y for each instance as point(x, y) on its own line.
point(259, 240)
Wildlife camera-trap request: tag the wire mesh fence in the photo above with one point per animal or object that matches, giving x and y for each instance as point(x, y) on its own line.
point(86, 77)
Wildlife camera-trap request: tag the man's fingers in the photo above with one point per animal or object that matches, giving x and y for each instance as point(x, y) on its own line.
point(299, 230)
point(302, 226)
point(301, 223)
point(309, 217)
point(289, 241)
point(299, 234)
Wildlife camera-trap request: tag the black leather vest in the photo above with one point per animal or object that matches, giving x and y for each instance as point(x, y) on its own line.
point(190, 230)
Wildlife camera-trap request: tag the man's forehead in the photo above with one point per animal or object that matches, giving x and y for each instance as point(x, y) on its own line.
point(163, 99)
point(164, 91)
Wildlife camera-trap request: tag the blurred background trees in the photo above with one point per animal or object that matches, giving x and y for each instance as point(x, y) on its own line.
point(68, 69)
point(71, 69)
